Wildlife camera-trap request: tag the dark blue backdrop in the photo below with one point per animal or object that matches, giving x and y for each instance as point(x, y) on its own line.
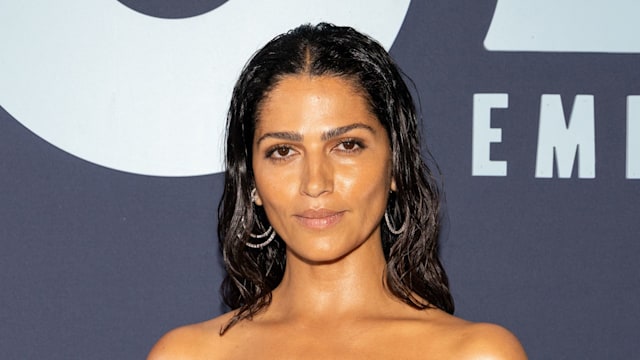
point(98, 263)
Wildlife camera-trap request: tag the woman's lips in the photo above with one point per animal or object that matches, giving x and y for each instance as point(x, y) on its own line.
point(319, 219)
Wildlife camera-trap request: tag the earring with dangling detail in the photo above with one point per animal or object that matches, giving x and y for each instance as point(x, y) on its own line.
point(270, 234)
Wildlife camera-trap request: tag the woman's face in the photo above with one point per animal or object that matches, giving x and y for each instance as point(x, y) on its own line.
point(322, 166)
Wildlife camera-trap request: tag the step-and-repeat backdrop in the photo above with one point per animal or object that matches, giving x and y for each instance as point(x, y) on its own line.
point(111, 122)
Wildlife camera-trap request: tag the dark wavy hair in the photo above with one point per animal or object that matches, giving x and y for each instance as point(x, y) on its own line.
point(414, 273)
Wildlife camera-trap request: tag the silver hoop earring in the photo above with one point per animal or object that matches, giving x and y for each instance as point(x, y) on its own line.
point(270, 232)
point(393, 230)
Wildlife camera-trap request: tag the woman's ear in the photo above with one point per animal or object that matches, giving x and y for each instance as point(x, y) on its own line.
point(255, 197)
point(393, 185)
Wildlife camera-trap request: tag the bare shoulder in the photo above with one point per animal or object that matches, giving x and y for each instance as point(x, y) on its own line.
point(489, 342)
point(461, 339)
point(195, 341)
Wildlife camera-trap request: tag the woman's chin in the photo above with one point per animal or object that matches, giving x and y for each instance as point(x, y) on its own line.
point(320, 252)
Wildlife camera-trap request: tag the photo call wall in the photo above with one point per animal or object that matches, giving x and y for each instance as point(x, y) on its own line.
point(112, 118)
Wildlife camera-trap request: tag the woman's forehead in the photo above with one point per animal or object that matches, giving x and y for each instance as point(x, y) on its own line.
point(303, 101)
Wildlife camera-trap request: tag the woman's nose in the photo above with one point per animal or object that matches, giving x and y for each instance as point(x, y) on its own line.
point(317, 176)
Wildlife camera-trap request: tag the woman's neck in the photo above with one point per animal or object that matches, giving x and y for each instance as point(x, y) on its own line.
point(350, 286)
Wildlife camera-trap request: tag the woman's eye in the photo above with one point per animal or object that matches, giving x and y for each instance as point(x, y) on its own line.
point(283, 151)
point(279, 152)
point(350, 146)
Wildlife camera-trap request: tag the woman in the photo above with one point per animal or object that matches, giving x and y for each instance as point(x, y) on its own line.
point(329, 218)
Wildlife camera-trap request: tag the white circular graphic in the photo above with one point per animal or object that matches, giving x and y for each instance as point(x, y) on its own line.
point(142, 94)
point(610, 26)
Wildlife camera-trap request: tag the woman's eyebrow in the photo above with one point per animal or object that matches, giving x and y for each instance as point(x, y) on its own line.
point(332, 133)
point(284, 135)
point(327, 135)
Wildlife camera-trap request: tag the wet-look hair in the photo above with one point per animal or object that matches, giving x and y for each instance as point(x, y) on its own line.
point(414, 272)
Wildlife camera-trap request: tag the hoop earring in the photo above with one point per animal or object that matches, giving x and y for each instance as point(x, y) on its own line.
point(393, 230)
point(270, 232)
